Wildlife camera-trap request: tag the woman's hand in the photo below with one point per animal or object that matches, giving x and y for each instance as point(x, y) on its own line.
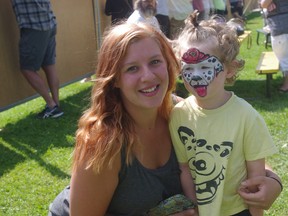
point(268, 191)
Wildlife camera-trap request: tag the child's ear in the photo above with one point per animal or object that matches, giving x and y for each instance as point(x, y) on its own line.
point(232, 68)
point(230, 73)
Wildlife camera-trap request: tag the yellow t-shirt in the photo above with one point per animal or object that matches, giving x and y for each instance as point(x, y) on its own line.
point(216, 144)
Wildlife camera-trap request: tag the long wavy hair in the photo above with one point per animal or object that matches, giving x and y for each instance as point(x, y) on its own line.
point(226, 47)
point(106, 127)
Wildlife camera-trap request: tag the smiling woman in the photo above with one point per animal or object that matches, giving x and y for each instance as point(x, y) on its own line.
point(123, 162)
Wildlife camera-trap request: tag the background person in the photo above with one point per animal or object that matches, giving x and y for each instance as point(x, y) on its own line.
point(236, 8)
point(145, 11)
point(219, 7)
point(118, 9)
point(277, 16)
point(178, 11)
point(162, 16)
point(37, 48)
point(199, 6)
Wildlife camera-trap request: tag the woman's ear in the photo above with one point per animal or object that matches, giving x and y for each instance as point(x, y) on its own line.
point(116, 83)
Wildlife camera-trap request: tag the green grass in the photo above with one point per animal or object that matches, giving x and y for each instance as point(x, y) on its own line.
point(35, 154)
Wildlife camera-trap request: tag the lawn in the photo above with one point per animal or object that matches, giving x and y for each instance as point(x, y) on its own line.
point(35, 155)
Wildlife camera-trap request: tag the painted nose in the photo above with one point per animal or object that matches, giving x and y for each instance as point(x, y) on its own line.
point(196, 78)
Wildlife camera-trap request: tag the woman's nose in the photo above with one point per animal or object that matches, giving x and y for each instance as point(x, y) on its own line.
point(147, 73)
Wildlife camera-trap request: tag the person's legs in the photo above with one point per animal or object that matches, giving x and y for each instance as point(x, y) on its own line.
point(49, 66)
point(284, 86)
point(39, 85)
point(37, 48)
point(280, 47)
point(53, 82)
point(32, 48)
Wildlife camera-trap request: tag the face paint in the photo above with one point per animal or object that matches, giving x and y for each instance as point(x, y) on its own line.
point(200, 69)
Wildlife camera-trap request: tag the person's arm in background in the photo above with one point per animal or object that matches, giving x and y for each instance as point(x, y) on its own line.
point(268, 189)
point(268, 4)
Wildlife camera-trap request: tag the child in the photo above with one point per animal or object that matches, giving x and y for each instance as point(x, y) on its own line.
point(219, 139)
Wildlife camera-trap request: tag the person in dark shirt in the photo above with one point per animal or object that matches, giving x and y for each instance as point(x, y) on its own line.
point(118, 9)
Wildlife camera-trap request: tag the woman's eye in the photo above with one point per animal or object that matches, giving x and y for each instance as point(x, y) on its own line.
point(156, 61)
point(131, 69)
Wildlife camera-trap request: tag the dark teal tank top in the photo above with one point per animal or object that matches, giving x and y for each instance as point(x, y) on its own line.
point(141, 189)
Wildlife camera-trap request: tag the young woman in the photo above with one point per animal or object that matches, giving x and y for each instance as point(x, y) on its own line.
point(124, 163)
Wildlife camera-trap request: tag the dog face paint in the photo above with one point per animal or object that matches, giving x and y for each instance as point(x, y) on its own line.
point(200, 69)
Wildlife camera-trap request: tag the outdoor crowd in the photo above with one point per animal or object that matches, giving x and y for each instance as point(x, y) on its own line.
point(171, 14)
point(139, 148)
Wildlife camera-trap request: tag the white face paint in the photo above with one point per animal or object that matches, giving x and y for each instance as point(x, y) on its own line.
point(200, 69)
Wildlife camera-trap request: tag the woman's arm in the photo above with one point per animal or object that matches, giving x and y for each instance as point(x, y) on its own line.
point(268, 189)
point(255, 169)
point(188, 189)
point(91, 193)
point(187, 182)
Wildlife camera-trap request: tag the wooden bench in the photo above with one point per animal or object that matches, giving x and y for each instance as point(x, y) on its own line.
point(268, 65)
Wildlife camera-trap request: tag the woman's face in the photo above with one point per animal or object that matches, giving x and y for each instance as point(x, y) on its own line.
point(144, 78)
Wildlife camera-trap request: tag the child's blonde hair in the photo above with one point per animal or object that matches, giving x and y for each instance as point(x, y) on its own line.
point(226, 46)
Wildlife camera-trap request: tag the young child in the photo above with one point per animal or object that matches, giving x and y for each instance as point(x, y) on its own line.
point(219, 139)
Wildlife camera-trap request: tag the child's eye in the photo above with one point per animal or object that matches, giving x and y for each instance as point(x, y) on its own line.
point(188, 69)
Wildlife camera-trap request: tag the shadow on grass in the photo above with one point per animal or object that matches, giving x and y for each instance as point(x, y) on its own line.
point(254, 91)
point(30, 138)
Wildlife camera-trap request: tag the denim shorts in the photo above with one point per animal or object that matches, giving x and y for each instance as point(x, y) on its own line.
point(37, 48)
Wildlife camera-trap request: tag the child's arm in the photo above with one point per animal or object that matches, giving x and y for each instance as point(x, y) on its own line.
point(187, 182)
point(254, 169)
